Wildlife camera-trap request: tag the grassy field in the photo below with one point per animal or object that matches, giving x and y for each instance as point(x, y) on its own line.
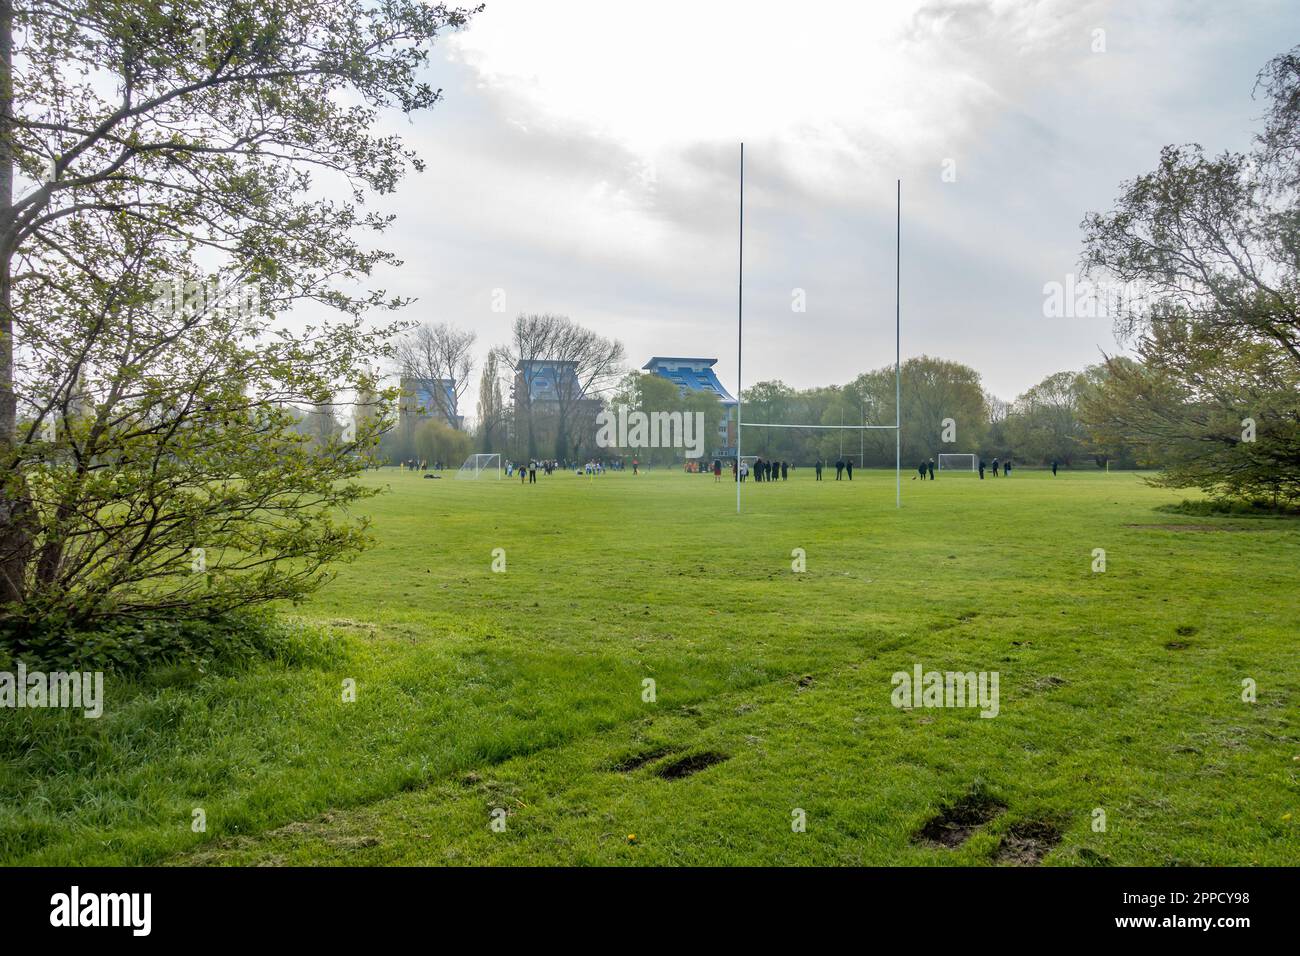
point(1120, 692)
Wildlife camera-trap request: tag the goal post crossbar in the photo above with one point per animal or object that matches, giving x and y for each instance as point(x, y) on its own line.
point(847, 427)
point(475, 465)
point(946, 461)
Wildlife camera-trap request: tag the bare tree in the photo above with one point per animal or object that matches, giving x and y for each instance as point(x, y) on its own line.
point(593, 364)
point(586, 364)
point(439, 352)
point(531, 340)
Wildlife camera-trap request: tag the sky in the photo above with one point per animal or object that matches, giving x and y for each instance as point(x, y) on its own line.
point(585, 161)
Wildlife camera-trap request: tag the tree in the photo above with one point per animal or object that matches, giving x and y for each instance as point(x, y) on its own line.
point(595, 364)
point(530, 342)
point(155, 213)
point(771, 402)
point(439, 353)
point(650, 393)
point(436, 441)
point(1209, 244)
point(491, 409)
point(587, 365)
point(1043, 425)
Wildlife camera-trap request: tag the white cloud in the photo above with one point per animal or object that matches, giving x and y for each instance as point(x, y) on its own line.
point(585, 161)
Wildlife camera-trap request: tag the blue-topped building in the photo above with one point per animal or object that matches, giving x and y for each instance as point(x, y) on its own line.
point(697, 375)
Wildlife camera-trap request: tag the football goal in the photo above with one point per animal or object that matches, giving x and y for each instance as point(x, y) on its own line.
point(476, 465)
point(957, 462)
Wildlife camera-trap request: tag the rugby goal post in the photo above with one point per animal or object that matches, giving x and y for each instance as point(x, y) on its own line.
point(897, 427)
point(958, 462)
point(476, 465)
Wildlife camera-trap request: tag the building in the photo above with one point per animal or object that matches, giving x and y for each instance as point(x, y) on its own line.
point(551, 410)
point(697, 375)
point(546, 380)
point(419, 402)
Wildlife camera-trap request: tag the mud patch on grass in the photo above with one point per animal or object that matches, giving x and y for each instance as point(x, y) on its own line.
point(689, 765)
point(636, 761)
point(956, 822)
point(1177, 646)
point(1025, 844)
point(1047, 683)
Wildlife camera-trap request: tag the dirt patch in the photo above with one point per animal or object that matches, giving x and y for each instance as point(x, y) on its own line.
point(1177, 646)
point(1048, 682)
point(636, 761)
point(354, 843)
point(1025, 844)
point(956, 822)
point(1185, 630)
point(688, 765)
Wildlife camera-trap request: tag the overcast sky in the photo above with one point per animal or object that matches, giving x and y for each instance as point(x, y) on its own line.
point(585, 162)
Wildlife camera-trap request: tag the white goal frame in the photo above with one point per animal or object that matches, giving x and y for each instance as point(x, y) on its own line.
point(475, 465)
point(974, 461)
point(897, 427)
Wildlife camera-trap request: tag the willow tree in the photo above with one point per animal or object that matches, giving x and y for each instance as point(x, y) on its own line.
point(158, 211)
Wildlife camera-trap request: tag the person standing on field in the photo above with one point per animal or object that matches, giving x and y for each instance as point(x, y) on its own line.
point(818, 468)
point(995, 467)
point(717, 470)
point(785, 471)
point(1053, 467)
point(931, 469)
point(981, 469)
point(839, 468)
point(848, 466)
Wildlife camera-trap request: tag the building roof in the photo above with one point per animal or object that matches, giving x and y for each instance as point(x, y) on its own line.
point(674, 358)
point(691, 374)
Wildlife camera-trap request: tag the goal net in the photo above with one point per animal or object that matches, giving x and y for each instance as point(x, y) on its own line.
point(476, 465)
point(957, 462)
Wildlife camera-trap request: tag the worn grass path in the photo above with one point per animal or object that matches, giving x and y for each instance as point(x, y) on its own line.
point(522, 692)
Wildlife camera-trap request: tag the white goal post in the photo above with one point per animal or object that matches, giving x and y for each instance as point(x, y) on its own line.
point(958, 462)
point(475, 465)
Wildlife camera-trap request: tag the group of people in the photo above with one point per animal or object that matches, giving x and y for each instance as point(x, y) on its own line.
point(417, 464)
point(528, 472)
point(761, 470)
point(1005, 466)
point(843, 466)
point(926, 468)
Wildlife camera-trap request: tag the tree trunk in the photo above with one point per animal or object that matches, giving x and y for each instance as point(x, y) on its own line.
point(15, 515)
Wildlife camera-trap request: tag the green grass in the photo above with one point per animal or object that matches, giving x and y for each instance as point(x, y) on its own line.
point(522, 691)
